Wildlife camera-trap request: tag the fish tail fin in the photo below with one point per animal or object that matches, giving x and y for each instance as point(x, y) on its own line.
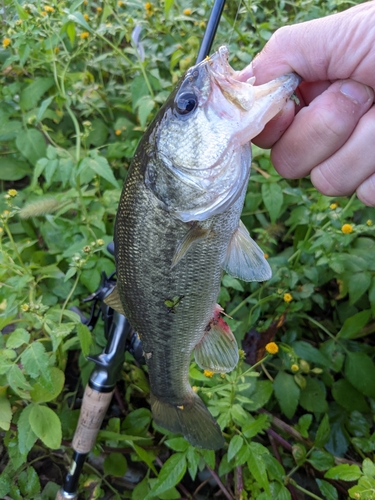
point(191, 419)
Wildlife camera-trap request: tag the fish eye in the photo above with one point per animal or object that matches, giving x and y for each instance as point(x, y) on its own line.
point(186, 103)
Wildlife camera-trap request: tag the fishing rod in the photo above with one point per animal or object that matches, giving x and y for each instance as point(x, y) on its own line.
point(120, 338)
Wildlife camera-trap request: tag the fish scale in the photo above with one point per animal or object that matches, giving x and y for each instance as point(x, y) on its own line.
point(178, 226)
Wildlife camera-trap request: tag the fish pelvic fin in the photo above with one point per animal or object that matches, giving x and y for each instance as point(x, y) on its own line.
point(218, 350)
point(113, 300)
point(244, 259)
point(191, 418)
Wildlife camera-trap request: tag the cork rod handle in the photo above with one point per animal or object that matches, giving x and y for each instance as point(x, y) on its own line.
point(93, 410)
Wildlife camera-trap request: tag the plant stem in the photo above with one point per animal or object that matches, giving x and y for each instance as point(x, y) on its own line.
point(69, 296)
point(303, 490)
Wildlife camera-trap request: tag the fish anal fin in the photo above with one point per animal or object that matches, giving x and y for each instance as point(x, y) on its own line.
point(190, 418)
point(218, 350)
point(113, 300)
point(244, 259)
point(194, 234)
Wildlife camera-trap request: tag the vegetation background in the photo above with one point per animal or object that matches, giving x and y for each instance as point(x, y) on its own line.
point(78, 87)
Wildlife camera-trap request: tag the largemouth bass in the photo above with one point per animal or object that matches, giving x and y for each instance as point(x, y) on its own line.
point(178, 227)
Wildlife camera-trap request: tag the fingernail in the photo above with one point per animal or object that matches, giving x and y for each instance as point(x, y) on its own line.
point(246, 73)
point(357, 92)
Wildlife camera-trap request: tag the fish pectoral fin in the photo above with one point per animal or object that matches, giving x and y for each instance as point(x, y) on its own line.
point(195, 233)
point(218, 350)
point(244, 259)
point(191, 418)
point(113, 300)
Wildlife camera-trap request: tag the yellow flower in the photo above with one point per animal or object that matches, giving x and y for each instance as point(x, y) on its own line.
point(86, 249)
point(85, 34)
point(187, 12)
point(208, 373)
point(85, 2)
point(333, 206)
point(100, 242)
point(48, 8)
point(287, 297)
point(25, 307)
point(118, 131)
point(294, 367)
point(369, 222)
point(86, 16)
point(18, 22)
point(148, 6)
point(99, 9)
point(272, 348)
point(120, 4)
point(347, 228)
point(6, 42)
point(44, 13)
point(266, 256)
point(57, 50)
point(12, 192)
point(6, 213)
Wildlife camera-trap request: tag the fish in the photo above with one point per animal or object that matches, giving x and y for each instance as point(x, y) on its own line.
point(178, 228)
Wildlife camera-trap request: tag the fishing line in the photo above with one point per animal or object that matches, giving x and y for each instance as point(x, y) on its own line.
point(234, 22)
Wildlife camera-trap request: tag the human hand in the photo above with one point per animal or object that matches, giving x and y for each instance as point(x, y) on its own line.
point(332, 136)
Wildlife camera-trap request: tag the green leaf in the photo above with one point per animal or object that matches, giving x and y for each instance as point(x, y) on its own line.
point(193, 458)
point(29, 483)
point(170, 474)
point(46, 425)
point(31, 144)
point(45, 104)
point(22, 14)
point(360, 371)
point(70, 29)
point(287, 393)
point(259, 424)
point(323, 432)
point(78, 18)
point(261, 395)
point(85, 338)
point(17, 381)
point(230, 282)
point(33, 92)
point(167, 6)
point(321, 460)
point(177, 444)
point(145, 105)
point(257, 466)
point(35, 360)
point(354, 324)
point(368, 467)
point(348, 397)
point(304, 423)
point(358, 285)
point(273, 199)
point(312, 397)
point(13, 170)
point(43, 390)
point(100, 166)
point(141, 490)
point(146, 457)
point(5, 412)
point(344, 472)
point(306, 351)
point(26, 436)
point(17, 338)
point(234, 446)
point(115, 464)
point(5, 483)
point(327, 489)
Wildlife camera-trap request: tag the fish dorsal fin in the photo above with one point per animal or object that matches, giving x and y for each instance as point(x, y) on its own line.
point(244, 259)
point(113, 300)
point(218, 350)
point(194, 234)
